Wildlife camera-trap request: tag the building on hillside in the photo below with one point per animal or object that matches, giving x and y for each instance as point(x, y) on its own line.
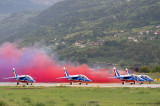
point(133, 39)
point(158, 26)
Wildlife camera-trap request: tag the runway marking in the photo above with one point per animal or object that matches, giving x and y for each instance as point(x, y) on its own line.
point(82, 85)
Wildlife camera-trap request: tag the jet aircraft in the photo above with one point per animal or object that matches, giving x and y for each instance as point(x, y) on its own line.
point(75, 78)
point(126, 78)
point(146, 78)
point(22, 78)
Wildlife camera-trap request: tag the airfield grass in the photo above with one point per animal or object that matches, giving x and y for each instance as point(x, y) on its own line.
point(78, 96)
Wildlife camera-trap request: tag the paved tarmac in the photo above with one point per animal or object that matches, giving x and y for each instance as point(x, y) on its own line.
point(82, 85)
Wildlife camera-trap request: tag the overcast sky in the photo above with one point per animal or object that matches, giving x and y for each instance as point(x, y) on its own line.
point(46, 2)
point(13, 6)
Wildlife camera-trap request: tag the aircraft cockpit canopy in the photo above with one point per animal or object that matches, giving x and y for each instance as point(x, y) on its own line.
point(83, 76)
point(135, 76)
point(28, 76)
point(146, 76)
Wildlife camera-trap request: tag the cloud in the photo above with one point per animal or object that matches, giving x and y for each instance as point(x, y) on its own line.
point(35, 62)
point(46, 2)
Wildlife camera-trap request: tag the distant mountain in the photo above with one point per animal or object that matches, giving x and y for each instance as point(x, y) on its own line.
point(120, 13)
point(114, 31)
point(10, 26)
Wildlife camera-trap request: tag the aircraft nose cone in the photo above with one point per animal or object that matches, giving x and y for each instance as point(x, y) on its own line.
point(88, 80)
point(151, 80)
point(33, 81)
point(140, 79)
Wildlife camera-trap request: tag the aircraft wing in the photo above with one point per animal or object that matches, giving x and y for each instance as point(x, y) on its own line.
point(118, 77)
point(81, 78)
point(75, 77)
point(113, 77)
point(70, 77)
point(126, 78)
point(62, 77)
point(11, 78)
point(122, 77)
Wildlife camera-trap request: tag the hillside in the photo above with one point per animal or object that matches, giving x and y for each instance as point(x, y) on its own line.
point(113, 31)
point(11, 26)
point(102, 14)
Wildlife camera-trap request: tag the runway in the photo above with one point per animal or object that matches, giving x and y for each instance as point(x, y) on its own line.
point(82, 85)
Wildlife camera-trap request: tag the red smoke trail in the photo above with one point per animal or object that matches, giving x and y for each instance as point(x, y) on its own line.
point(39, 65)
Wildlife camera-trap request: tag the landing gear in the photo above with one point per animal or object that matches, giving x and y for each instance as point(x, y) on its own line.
point(87, 83)
point(70, 83)
point(141, 83)
point(134, 82)
point(80, 83)
point(122, 83)
point(27, 83)
point(131, 83)
point(17, 83)
point(149, 82)
point(31, 83)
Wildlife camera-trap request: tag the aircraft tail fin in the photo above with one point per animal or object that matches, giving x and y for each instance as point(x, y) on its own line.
point(15, 74)
point(66, 73)
point(128, 72)
point(116, 72)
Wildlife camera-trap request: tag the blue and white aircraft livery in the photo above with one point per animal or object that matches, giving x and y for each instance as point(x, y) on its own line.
point(146, 78)
point(75, 78)
point(126, 78)
point(22, 78)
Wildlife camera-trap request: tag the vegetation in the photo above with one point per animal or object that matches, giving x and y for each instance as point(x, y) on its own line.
point(129, 52)
point(113, 31)
point(156, 69)
point(147, 69)
point(70, 96)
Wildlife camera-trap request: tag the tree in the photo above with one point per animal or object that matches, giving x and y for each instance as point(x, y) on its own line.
point(145, 69)
point(156, 69)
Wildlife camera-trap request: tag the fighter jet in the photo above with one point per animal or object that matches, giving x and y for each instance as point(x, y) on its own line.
point(146, 78)
point(22, 78)
point(126, 78)
point(75, 78)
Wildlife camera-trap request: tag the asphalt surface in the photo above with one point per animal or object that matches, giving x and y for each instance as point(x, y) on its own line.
point(82, 85)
